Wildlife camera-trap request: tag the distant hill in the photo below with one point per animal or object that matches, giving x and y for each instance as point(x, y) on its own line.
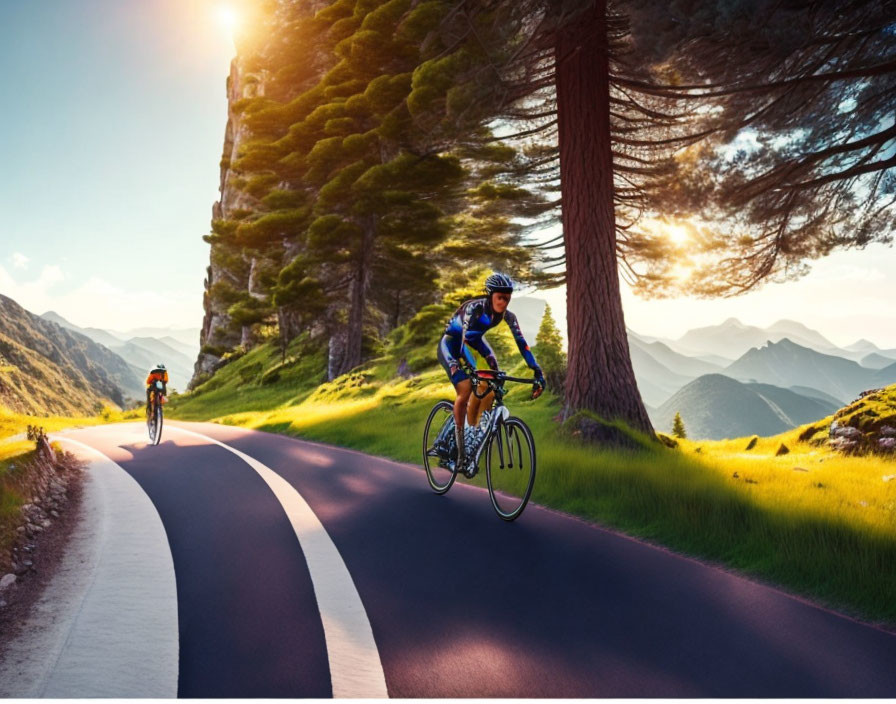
point(715, 406)
point(802, 335)
point(143, 353)
point(728, 339)
point(885, 376)
point(674, 361)
point(875, 360)
point(815, 393)
point(96, 334)
point(189, 351)
point(794, 408)
point(732, 338)
point(180, 366)
point(863, 345)
point(656, 381)
point(48, 369)
point(786, 364)
point(189, 337)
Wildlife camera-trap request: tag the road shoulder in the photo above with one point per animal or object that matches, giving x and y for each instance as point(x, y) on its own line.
point(106, 624)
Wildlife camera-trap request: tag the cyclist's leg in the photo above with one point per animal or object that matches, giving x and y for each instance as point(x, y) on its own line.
point(479, 405)
point(471, 402)
point(464, 390)
point(448, 347)
point(461, 381)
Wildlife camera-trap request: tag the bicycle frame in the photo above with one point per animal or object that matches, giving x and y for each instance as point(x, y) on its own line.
point(500, 412)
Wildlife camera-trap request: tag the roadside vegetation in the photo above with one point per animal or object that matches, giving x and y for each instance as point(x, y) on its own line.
point(810, 519)
point(18, 460)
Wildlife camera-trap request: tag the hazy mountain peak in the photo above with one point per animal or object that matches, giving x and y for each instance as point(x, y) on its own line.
point(789, 324)
point(786, 343)
point(54, 317)
point(862, 345)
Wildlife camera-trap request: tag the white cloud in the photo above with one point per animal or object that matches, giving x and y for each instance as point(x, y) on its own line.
point(98, 303)
point(35, 294)
point(19, 261)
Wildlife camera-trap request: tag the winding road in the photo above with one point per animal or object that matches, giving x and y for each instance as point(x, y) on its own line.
point(302, 570)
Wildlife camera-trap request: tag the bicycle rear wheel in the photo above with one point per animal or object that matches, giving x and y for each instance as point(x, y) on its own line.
point(158, 424)
point(440, 473)
point(151, 426)
point(510, 467)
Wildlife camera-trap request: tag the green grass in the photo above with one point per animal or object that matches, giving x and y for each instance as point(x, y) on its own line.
point(17, 455)
point(15, 423)
point(820, 524)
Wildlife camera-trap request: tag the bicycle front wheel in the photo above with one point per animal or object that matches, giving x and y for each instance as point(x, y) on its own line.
point(510, 467)
point(439, 427)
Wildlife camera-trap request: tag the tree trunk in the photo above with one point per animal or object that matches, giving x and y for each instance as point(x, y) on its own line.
point(288, 325)
point(335, 354)
point(358, 304)
point(600, 376)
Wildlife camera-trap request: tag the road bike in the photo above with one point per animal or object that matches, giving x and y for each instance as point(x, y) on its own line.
point(154, 417)
point(504, 440)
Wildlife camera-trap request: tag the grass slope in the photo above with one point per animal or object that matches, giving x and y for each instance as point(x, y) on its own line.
point(815, 522)
point(46, 369)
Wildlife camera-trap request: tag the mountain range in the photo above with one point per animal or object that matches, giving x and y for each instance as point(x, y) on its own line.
point(731, 339)
point(715, 406)
point(782, 361)
point(786, 363)
point(144, 348)
point(45, 368)
point(726, 380)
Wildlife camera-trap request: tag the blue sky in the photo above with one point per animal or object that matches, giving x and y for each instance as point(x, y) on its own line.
point(110, 137)
point(111, 133)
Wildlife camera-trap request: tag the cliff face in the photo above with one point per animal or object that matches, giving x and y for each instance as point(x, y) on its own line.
point(230, 273)
point(218, 334)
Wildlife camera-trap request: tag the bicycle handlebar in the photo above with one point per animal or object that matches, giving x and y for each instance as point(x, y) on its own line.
point(496, 375)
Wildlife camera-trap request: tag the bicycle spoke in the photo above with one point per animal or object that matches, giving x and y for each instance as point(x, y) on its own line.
point(509, 447)
point(500, 447)
point(510, 491)
point(439, 426)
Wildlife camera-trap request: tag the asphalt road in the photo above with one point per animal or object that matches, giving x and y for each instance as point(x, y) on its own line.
point(460, 604)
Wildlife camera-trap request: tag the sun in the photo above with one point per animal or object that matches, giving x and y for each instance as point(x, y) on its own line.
point(677, 233)
point(228, 19)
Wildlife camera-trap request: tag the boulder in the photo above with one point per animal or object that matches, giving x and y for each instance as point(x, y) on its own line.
point(847, 431)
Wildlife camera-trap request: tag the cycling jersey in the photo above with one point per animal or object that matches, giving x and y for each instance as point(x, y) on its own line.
point(470, 323)
point(157, 375)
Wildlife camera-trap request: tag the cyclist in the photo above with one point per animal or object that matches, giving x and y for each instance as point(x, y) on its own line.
point(157, 373)
point(468, 325)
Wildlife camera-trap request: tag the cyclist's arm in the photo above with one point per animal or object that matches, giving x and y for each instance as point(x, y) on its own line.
point(483, 348)
point(521, 343)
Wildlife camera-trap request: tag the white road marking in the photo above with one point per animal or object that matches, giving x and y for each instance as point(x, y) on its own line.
point(355, 667)
point(111, 615)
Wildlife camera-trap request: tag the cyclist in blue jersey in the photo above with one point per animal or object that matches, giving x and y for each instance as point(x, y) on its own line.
point(468, 325)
